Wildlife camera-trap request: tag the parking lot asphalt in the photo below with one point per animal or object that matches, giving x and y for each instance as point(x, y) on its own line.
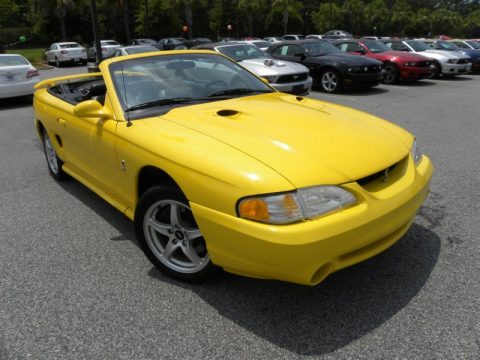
point(74, 284)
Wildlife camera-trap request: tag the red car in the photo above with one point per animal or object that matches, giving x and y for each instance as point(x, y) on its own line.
point(396, 64)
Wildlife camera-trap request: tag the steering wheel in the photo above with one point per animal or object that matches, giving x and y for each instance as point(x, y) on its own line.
point(215, 85)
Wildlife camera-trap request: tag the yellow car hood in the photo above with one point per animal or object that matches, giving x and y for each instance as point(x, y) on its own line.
point(309, 142)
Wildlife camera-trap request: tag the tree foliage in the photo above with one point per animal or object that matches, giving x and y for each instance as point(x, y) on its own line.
point(46, 21)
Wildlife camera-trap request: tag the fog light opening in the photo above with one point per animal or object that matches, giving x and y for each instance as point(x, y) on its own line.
point(321, 273)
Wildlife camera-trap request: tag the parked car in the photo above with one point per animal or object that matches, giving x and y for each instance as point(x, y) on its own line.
point(262, 44)
point(466, 44)
point(196, 41)
point(66, 52)
point(445, 63)
point(293, 37)
point(254, 181)
point(133, 49)
point(312, 36)
point(150, 42)
point(172, 44)
point(330, 68)
point(445, 45)
point(282, 75)
point(397, 65)
point(17, 76)
point(337, 34)
point(108, 47)
point(273, 39)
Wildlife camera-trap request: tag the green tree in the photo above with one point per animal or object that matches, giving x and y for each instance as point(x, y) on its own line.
point(321, 18)
point(377, 17)
point(251, 8)
point(288, 9)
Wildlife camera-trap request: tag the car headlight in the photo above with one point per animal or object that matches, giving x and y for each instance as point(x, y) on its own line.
point(451, 61)
point(416, 153)
point(411, 63)
point(270, 79)
point(305, 203)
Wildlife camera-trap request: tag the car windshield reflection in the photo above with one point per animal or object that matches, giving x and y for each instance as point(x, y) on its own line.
point(153, 85)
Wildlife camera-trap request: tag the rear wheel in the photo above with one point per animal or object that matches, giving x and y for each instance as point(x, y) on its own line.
point(169, 236)
point(391, 74)
point(330, 81)
point(57, 62)
point(54, 163)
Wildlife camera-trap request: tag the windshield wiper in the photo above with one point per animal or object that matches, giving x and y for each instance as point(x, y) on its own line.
point(160, 102)
point(239, 91)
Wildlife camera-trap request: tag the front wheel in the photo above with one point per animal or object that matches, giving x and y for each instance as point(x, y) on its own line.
point(391, 74)
point(54, 163)
point(169, 236)
point(330, 81)
point(436, 71)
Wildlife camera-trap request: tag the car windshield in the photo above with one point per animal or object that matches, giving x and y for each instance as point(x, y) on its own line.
point(69, 46)
point(12, 60)
point(376, 46)
point(262, 44)
point(153, 85)
point(320, 48)
point(109, 43)
point(461, 45)
point(473, 44)
point(147, 41)
point(418, 45)
point(241, 52)
point(446, 45)
point(140, 49)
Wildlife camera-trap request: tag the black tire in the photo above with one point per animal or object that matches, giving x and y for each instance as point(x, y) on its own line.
point(330, 81)
point(436, 71)
point(165, 224)
point(53, 162)
point(391, 73)
point(84, 62)
point(57, 62)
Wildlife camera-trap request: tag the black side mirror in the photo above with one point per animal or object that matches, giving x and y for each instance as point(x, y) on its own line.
point(302, 56)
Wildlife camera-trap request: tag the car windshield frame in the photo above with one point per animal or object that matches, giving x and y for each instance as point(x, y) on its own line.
point(320, 48)
point(375, 46)
point(179, 86)
point(228, 50)
point(473, 44)
point(418, 45)
point(445, 45)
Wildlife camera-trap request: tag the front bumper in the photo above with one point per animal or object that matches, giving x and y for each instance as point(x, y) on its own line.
point(307, 252)
point(415, 73)
point(295, 88)
point(356, 80)
point(455, 69)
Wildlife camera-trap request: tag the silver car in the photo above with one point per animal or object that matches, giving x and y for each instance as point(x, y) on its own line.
point(447, 63)
point(66, 52)
point(285, 76)
point(108, 47)
point(133, 49)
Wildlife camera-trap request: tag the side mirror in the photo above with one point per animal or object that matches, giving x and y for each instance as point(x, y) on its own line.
point(302, 56)
point(91, 110)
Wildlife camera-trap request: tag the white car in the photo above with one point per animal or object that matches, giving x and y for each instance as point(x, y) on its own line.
point(447, 63)
point(273, 39)
point(17, 76)
point(261, 44)
point(285, 76)
point(66, 52)
point(108, 48)
point(133, 49)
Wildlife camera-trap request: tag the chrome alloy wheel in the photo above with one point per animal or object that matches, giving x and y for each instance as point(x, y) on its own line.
point(174, 238)
point(52, 158)
point(329, 81)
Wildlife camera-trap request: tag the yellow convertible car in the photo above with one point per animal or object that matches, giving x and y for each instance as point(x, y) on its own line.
point(219, 170)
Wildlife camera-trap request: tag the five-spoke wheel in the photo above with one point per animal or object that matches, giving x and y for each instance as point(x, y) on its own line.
point(330, 81)
point(170, 237)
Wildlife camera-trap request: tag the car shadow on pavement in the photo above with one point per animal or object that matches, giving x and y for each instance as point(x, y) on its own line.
point(16, 102)
point(346, 306)
point(455, 78)
point(103, 209)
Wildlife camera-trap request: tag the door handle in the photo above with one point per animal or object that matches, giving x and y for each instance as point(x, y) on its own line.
point(61, 122)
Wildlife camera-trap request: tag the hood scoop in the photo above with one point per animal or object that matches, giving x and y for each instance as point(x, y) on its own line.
point(227, 112)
